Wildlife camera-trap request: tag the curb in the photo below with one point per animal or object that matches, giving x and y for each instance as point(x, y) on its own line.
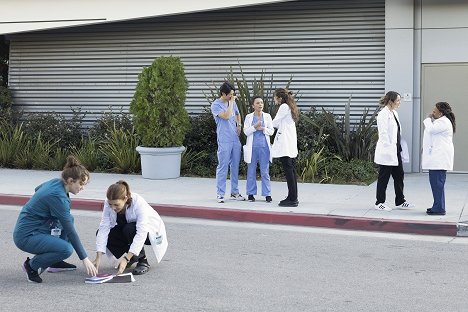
point(271, 217)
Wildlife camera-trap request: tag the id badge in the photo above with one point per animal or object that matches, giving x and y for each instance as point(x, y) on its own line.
point(56, 232)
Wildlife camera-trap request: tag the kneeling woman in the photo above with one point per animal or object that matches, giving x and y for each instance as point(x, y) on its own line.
point(128, 223)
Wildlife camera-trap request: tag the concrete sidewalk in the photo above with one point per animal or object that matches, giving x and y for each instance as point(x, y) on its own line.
point(323, 205)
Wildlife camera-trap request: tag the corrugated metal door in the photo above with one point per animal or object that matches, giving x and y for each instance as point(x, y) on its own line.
point(332, 48)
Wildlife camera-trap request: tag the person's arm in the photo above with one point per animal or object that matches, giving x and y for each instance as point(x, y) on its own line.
point(226, 115)
point(268, 129)
point(238, 123)
point(436, 127)
point(60, 208)
point(382, 127)
point(142, 230)
point(283, 111)
point(102, 234)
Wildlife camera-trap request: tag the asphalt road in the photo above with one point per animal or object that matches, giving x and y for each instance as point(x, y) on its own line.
point(224, 266)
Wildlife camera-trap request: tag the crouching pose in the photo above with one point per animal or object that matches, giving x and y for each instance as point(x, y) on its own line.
point(128, 223)
point(45, 226)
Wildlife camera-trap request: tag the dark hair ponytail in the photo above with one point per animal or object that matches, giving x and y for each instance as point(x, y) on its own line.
point(446, 111)
point(287, 97)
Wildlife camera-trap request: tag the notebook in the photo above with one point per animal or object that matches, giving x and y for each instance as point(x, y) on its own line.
point(109, 278)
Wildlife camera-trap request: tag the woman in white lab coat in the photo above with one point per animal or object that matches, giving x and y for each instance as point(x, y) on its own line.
point(128, 223)
point(389, 153)
point(438, 152)
point(258, 127)
point(285, 142)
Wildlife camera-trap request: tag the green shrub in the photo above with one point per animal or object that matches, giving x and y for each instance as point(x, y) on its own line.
point(158, 105)
point(12, 141)
point(88, 153)
point(355, 171)
point(109, 121)
point(119, 149)
point(55, 127)
point(58, 159)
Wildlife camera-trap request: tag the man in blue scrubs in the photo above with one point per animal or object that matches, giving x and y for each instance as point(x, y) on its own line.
point(228, 127)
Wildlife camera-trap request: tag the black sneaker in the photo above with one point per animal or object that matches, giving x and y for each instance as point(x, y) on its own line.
point(268, 199)
point(61, 266)
point(251, 198)
point(33, 276)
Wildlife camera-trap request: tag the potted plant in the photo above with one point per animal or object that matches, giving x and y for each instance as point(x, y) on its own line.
point(160, 117)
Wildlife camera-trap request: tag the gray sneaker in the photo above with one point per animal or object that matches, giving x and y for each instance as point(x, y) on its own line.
point(220, 198)
point(238, 197)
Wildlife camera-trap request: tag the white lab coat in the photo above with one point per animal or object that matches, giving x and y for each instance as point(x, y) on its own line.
point(386, 148)
point(285, 143)
point(148, 224)
point(249, 130)
point(438, 151)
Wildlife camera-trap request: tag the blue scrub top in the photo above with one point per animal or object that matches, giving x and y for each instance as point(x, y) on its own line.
point(225, 129)
point(259, 139)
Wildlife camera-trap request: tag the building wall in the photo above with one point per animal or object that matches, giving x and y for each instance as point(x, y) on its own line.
point(418, 33)
point(332, 48)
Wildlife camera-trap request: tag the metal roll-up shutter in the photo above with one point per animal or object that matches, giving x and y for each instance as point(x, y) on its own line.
point(333, 49)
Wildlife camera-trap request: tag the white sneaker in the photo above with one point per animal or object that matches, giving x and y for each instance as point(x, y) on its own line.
point(238, 197)
point(220, 198)
point(382, 207)
point(405, 205)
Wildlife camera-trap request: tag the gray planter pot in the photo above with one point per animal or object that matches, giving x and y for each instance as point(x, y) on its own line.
point(159, 163)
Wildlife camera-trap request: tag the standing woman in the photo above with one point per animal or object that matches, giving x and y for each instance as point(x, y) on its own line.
point(389, 152)
point(45, 226)
point(285, 143)
point(258, 127)
point(128, 223)
point(438, 152)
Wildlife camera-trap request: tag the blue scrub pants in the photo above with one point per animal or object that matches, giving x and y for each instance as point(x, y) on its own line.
point(260, 155)
point(228, 158)
point(47, 249)
point(437, 181)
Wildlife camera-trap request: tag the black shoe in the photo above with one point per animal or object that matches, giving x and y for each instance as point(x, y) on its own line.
point(251, 198)
point(268, 199)
point(288, 203)
point(428, 209)
point(435, 213)
point(142, 267)
point(61, 266)
point(33, 276)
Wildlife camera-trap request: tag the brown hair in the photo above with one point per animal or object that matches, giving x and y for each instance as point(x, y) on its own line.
point(75, 170)
point(119, 190)
point(288, 98)
point(390, 96)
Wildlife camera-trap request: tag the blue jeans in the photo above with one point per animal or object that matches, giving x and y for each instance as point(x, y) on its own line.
point(437, 180)
point(46, 248)
point(260, 155)
point(228, 158)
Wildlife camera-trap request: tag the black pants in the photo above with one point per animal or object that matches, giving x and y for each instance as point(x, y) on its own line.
point(291, 177)
point(121, 237)
point(397, 174)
